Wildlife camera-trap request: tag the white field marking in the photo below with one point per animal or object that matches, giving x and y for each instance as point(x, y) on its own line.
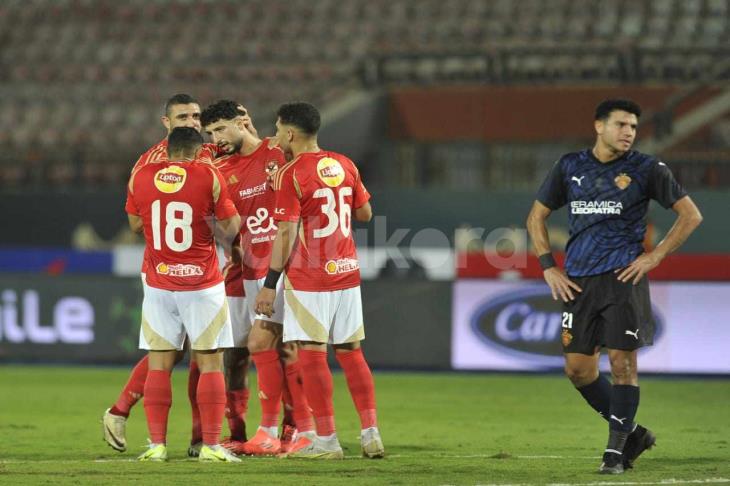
point(486, 456)
point(620, 483)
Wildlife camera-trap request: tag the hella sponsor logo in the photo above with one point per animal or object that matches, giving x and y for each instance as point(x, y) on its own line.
point(343, 265)
point(179, 270)
point(20, 322)
point(596, 207)
point(527, 323)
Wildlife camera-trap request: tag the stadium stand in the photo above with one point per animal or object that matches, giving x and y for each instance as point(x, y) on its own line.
point(83, 79)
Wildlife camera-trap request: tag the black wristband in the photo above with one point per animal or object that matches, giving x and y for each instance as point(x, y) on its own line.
point(271, 279)
point(547, 261)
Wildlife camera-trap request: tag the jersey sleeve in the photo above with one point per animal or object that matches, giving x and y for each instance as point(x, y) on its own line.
point(552, 191)
point(360, 194)
point(131, 206)
point(663, 187)
point(223, 206)
point(288, 205)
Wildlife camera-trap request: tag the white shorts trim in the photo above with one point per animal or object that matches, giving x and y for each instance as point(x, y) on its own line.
point(168, 315)
point(252, 288)
point(240, 322)
point(324, 317)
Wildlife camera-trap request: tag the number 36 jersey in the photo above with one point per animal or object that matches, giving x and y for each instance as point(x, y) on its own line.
point(322, 189)
point(178, 203)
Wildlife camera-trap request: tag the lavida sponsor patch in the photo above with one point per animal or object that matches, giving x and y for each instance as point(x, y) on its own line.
point(179, 270)
point(342, 265)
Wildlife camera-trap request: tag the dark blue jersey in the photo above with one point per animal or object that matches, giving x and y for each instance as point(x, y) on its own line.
point(608, 203)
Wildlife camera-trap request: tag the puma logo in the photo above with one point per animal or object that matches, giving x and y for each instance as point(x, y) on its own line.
point(619, 420)
point(632, 333)
point(577, 179)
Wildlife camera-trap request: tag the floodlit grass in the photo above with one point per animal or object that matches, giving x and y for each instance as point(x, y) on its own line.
point(438, 429)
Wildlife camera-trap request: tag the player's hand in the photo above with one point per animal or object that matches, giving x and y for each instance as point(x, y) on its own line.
point(560, 284)
point(265, 302)
point(639, 267)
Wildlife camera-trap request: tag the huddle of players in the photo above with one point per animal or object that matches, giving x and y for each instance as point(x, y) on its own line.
point(294, 219)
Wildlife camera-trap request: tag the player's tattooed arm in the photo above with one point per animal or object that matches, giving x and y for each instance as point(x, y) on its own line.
point(559, 283)
point(688, 219)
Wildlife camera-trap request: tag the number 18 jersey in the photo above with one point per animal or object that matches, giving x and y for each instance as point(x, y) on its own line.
point(322, 189)
point(178, 203)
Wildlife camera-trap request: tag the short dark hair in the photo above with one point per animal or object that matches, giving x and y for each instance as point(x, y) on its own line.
point(178, 99)
point(220, 110)
point(605, 107)
point(183, 141)
point(302, 115)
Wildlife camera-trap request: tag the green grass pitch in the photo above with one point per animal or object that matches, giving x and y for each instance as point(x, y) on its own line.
point(438, 428)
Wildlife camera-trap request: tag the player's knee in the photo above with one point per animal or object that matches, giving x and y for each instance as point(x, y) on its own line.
point(623, 371)
point(579, 376)
point(235, 358)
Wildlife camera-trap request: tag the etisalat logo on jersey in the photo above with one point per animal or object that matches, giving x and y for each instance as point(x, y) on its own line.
point(170, 179)
point(596, 207)
point(179, 270)
point(341, 265)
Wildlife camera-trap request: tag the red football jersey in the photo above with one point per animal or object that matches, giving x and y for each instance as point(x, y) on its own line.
point(321, 189)
point(233, 277)
point(158, 153)
point(250, 191)
point(177, 202)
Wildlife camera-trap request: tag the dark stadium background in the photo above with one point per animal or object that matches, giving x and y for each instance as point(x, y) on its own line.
point(454, 111)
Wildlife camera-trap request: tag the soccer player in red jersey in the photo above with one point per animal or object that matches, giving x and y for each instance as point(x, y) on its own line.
point(181, 110)
point(317, 195)
point(247, 169)
point(180, 205)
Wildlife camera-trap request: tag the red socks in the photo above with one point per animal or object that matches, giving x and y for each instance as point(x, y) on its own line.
point(211, 399)
point(236, 408)
point(360, 382)
point(133, 390)
point(193, 377)
point(318, 389)
point(301, 414)
point(157, 402)
point(270, 381)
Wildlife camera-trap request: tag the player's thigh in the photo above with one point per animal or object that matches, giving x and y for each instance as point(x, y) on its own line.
point(252, 288)
point(240, 321)
point(206, 317)
point(162, 328)
point(629, 321)
point(308, 316)
point(348, 325)
point(581, 326)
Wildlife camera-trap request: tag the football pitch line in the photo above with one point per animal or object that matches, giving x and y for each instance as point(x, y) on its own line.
point(661, 482)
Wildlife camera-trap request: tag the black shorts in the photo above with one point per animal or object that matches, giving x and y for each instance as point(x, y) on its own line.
point(607, 313)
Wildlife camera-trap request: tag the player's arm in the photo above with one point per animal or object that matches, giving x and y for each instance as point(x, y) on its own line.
point(361, 201)
point(287, 215)
point(688, 219)
point(364, 213)
point(550, 196)
point(135, 223)
point(227, 231)
point(665, 189)
point(560, 284)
